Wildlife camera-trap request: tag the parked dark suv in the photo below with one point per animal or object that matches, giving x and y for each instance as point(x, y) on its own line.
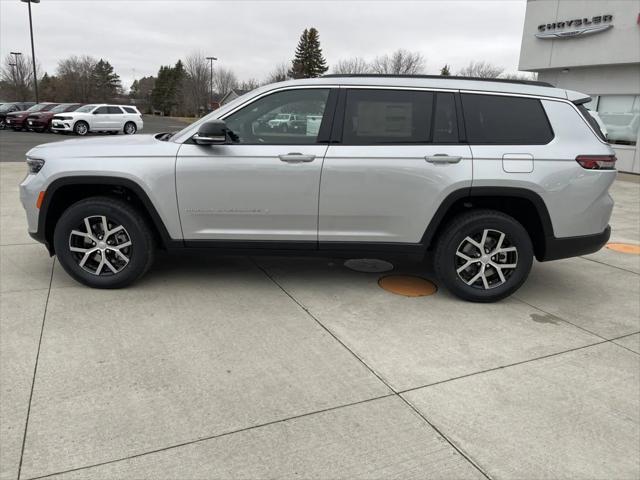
point(17, 120)
point(41, 121)
point(6, 108)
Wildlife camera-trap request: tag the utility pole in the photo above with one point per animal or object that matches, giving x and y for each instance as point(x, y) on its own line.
point(15, 80)
point(17, 73)
point(33, 51)
point(211, 59)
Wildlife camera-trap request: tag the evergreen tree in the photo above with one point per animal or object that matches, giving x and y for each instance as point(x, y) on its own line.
point(308, 61)
point(168, 88)
point(444, 71)
point(106, 82)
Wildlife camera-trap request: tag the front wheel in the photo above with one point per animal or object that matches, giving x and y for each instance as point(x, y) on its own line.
point(130, 128)
point(483, 256)
point(81, 128)
point(103, 243)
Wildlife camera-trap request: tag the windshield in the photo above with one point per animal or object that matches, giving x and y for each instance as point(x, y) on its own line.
point(37, 108)
point(60, 108)
point(6, 107)
point(86, 108)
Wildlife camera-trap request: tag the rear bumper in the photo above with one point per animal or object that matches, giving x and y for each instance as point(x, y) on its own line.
point(557, 248)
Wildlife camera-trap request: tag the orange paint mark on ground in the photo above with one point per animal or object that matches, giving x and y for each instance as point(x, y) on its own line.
point(408, 285)
point(624, 248)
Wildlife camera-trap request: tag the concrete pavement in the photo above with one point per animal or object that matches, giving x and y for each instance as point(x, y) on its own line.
point(220, 367)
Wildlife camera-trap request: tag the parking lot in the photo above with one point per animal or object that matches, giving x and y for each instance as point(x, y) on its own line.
point(218, 367)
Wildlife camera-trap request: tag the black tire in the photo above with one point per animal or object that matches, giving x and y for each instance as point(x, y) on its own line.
point(129, 128)
point(140, 253)
point(472, 224)
point(81, 128)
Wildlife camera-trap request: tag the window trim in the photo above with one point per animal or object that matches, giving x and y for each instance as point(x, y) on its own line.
point(323, 131)
point(499, 94)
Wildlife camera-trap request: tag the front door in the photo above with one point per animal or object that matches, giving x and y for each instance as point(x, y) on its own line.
point(396, 158)
point(100, 120)
point(264, 186)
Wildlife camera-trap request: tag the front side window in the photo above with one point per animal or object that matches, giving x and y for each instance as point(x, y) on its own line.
point(290, 117)
point(502, 120)
point(621, 116)
point(102, 110)
point(387, 117)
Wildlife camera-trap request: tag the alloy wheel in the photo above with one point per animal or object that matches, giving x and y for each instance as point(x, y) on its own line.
point(486, 259)
point(101, 246)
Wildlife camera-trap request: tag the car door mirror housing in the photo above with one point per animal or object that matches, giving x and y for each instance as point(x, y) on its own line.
point(213, 132)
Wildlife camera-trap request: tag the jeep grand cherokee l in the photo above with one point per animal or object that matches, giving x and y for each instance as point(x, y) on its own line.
point(481, 175)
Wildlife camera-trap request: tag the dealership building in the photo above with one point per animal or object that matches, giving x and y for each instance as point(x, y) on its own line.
point(592, 46)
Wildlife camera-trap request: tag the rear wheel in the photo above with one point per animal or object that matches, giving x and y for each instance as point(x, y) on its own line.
point(483, 256)
point(103, 243)
point(81, 128)
point(130, 128)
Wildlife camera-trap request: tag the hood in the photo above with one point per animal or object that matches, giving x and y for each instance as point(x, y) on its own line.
point(19, 114)
point(103, 147)
point(41, 114)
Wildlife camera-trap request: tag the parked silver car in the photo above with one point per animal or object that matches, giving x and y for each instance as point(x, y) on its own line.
point(480, 175)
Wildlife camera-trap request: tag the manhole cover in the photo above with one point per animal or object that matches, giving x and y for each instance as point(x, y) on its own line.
point(368, 265)
point(408, 285)
point(624, 248)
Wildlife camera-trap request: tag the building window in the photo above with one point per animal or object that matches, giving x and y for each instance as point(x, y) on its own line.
point(621, 116)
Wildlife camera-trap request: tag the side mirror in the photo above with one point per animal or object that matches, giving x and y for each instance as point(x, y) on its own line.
point(213, 132)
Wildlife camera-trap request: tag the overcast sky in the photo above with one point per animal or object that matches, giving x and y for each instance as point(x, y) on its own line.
point(250, 37)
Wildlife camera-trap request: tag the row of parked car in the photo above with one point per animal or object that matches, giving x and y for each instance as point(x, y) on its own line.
point(70, 117)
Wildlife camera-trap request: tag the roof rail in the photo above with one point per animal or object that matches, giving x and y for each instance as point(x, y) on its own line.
point(441, 77)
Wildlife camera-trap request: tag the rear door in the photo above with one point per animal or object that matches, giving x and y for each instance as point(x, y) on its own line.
point(395, 156)
point(116, 118)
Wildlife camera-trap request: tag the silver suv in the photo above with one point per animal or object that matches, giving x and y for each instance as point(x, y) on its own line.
point(479, 175)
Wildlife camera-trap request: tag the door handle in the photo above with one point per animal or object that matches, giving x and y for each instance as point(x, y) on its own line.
point(442, 158)
point(296, 157)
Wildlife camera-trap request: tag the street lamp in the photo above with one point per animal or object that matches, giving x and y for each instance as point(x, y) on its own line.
point(211, 59)
point(14, 65)
point(33, 51)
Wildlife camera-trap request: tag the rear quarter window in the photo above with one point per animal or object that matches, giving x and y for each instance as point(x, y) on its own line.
point(495, 120)
point(129, 110)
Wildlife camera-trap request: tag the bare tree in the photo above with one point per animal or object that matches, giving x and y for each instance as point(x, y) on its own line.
point(76, 79)
point(279, 74)
point(17, 74)
point(481, 70)
point(400, 62)
point(249, 85)
point(225, 81)
point(195, 89)
point(354, 65)
point(520, 76)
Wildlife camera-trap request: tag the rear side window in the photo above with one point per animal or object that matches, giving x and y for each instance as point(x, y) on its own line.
point(493, 119)
point(591, 121)
point(114, 110)
point(129, 110)
point(445, 123)
point(387, 117)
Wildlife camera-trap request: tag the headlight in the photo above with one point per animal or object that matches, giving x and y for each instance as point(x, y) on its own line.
point(34, 164)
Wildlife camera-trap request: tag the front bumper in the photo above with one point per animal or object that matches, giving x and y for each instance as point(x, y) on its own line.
point(566, 247)
point(36, 123)
point(62, 125)
point(13, 122)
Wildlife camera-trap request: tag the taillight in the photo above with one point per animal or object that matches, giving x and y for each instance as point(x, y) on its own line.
point(597, 162)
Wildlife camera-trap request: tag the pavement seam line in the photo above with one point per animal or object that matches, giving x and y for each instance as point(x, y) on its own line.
point(214, 437)
point(609, 265)
point(395, 392)
point(575, 325)
point(509, 365)
point(35, 371)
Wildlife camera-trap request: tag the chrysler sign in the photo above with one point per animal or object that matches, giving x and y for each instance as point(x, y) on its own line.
point(576, 27)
